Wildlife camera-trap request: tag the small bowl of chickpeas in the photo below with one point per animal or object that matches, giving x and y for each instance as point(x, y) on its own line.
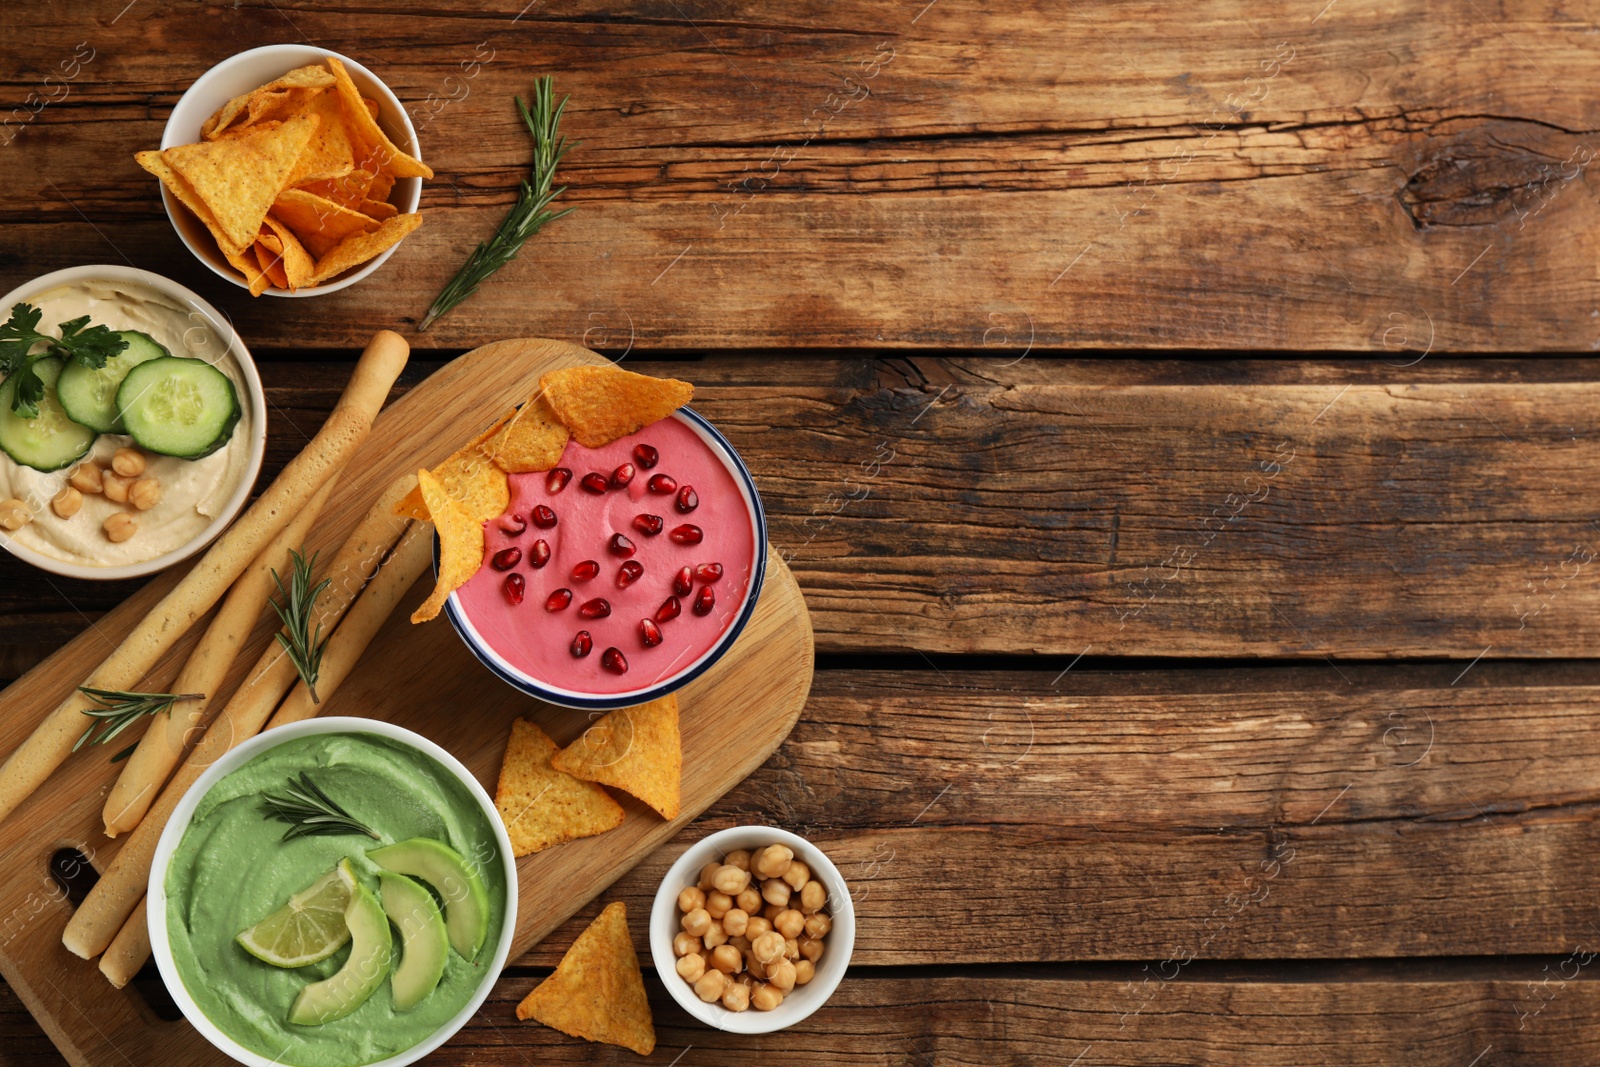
point(752, 929)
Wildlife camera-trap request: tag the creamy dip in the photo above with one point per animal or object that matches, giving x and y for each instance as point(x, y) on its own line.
point(193, 492)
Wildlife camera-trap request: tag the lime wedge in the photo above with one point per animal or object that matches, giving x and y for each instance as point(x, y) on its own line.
point(310, 927)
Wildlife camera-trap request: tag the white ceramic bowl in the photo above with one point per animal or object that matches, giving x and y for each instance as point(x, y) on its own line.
point(255, 398)
point(156, 894)
point(241, 73)
point(805, 999)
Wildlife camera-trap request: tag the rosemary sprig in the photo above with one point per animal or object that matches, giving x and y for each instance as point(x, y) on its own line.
point(296, 609)
point(529, 214)
point(119, 710)
point(311, 812)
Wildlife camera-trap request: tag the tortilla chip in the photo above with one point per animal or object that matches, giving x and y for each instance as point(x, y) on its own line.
point(463, 468)
point(180, 188)
point(364, 127)
point(360, 247)
point(328, 154)
point(301, 78)
point(601, 404)
point(247, 264)
point(532, 441)
point(378, 209)
point(298, 266)
point(269, 253)
point(346, 190)
point(319, 223)
point(382, 186)
point(634, 749)
point(461, 543)
point(239, 177)
point(372, 106)
point(597, 990)
point(540, 805)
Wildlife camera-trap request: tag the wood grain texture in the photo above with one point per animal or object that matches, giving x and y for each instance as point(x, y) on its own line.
point(873, 175)
point(1057, 507)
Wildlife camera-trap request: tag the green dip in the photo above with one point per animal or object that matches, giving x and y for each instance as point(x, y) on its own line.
point(232, 869)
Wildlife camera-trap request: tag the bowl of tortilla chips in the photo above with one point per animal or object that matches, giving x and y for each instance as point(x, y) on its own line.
point(290, 170)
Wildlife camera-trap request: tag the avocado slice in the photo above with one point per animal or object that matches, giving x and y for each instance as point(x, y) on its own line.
point(424, 945)
point(466, 903)
point(371, 951)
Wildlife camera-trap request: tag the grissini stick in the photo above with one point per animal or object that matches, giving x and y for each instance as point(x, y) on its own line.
point(106, 908)
point(51, 742)
point(166, 739)
point(129, 951)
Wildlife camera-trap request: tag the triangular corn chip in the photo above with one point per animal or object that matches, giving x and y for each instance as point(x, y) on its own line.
point(269, 254)
point(468, 474)
point(461, 545)
point(532, 441)
point(180, 188)
point(601, 404)
point(378, 209)
point(298, 265)
point(328, 154)
point(358, 248)
point(542, 806)
point(634, 749)
point(597, 990)
point(364, 127)
point(319, 223)
point(304, 78)
point(239, 177)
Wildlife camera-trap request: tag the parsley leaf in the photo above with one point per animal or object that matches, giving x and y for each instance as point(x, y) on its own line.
point(88, 345)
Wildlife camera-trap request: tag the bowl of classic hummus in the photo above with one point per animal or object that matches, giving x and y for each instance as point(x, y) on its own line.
point(81, 519)
point(428, 904)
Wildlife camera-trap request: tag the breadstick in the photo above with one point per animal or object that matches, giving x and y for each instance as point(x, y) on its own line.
point(106, 908)
point(51, 742)
point(164, 741)
point(130, 949)
point(410, 559)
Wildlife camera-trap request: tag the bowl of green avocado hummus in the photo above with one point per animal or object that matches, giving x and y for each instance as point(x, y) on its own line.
point(333, 893)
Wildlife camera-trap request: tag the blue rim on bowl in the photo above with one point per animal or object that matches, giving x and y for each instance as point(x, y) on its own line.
point(533, 687)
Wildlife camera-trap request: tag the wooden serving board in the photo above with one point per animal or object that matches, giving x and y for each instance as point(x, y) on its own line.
point(421, 677)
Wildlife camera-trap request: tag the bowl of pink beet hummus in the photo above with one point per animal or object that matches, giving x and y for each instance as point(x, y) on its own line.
point(621, 575)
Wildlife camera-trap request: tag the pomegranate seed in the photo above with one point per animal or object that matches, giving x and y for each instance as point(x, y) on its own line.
point(595, 482)
point(649, 525)
point(622, 476)
point(662, 483)
point(506, 558)
point(598, 608)
point(687, 534)
point(688, 499)
point(515, 586)
point(629, 573)
point(540, 553)
point(585, 570)
point(649, 633)
point(683, 582)
point(543, 517)
point(558, 600)
point(708, 572)
point(614, 661)
point(582, 644)
point(646, 455)
point(621, 546)
point(557, 480)
point(705, 600)
point(512, 524)
point(670, 609)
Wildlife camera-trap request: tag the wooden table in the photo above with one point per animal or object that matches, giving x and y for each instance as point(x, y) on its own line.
point(1176, 702)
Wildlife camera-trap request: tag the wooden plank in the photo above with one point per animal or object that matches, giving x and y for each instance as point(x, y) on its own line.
point(954, 505)
point(861, 175)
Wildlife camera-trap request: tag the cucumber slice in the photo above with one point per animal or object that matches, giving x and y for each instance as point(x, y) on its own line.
point(178, 407)
point(89, 394)
point(52, 440)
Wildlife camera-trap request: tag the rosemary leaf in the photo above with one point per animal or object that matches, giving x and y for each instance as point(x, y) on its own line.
point(303, 645)
point(119, 709)
point(310, 812)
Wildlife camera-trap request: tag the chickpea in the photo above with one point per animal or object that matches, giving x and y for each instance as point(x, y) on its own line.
point(710, 986)
point(771, 912)
point(67, 502)
point(85, 477)
point(776, 891)
point(14, 514)
point(791, 949)
point(144, 493)
point(740, 858)
point(128, 462)
point(716, 935)
point(804, 971)
point(734, 922)
point(772, 861)
point(755, 967)
point(115, 487)
point(740, 943)
point(765, 998)
point(768, 947)
point(756, 927)
point(745, 980)
point(811, 949)
point(707, 873)
point(696, 923)
point(692, 966)
point(818, 925)
point(736, 997)
point(812, 897)
point(727, 959)
point(797, 875)
point(730, 879)
point(683, 945)
point(120, 527)
point(782, 975)
point(691, 898)
point(717, 904)
point(789, 923)
point(749, 900)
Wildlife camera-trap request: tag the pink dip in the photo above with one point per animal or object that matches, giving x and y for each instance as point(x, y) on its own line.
point(538, 641)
